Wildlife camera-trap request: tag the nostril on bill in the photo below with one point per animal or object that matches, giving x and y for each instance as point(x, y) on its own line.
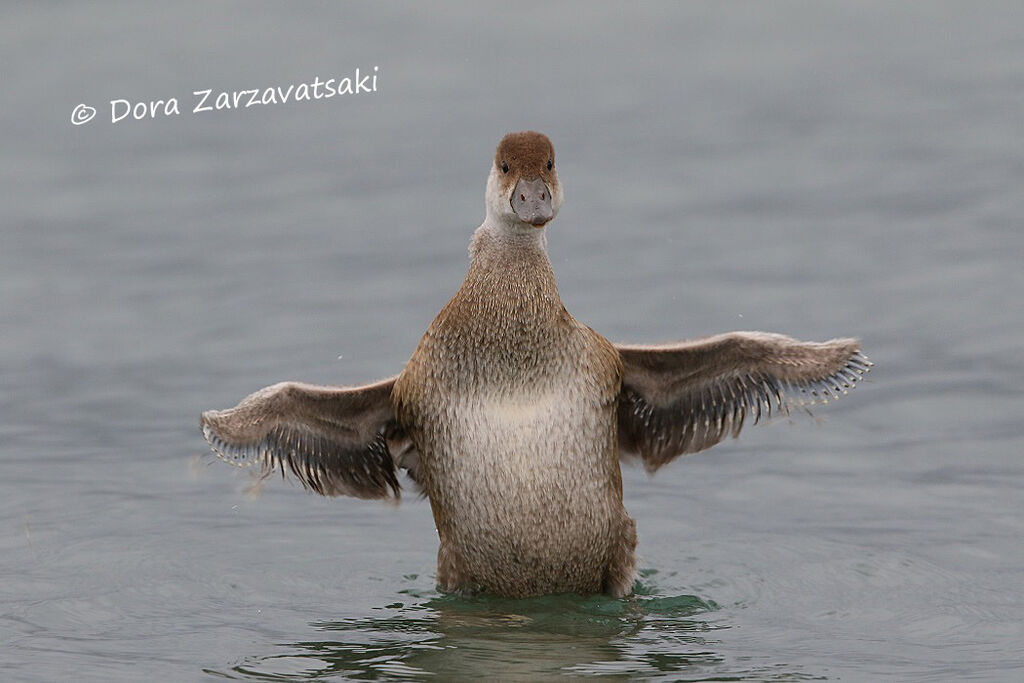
point(531, 201)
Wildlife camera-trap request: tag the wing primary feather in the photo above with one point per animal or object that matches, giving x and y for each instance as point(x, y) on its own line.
point(756, 399)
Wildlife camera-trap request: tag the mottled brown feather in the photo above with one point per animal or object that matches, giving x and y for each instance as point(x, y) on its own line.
point(530, 507)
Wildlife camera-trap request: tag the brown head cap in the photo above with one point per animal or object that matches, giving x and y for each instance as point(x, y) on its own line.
point(526, 155)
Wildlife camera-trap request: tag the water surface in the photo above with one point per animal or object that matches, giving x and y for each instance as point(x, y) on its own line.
point(817, 170)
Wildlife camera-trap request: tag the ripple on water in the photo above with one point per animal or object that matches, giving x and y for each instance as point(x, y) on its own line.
point(651, 635)
point(863, 610)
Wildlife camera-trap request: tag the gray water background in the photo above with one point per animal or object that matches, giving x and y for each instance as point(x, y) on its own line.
point(817, 169)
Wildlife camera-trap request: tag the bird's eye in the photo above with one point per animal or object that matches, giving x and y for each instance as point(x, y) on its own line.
point(550, 164)
point(504, 167)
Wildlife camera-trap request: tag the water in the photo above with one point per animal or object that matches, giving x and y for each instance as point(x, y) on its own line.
point(818, 170)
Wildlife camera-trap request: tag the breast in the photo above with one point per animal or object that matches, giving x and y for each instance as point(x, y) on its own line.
point(524, 491)
point(524, 445)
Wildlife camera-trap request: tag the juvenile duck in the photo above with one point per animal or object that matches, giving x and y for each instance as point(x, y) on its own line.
point(511, 416)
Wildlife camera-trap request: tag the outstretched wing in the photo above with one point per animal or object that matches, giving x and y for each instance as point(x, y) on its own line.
point(682, 398)
point(335, 440)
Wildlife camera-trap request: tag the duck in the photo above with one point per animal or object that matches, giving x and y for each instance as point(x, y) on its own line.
point(513, 418)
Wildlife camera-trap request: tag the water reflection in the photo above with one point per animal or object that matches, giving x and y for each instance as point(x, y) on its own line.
point(647, 635)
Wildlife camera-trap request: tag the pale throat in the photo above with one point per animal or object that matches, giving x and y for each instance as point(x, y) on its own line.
point(509, 242)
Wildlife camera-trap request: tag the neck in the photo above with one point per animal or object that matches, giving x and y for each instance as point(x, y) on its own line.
point(510, 263)
point(507, 316)
point(509, 238)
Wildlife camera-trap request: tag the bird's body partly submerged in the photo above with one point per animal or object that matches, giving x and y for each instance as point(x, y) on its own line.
point(512, 416)
point(511, 403)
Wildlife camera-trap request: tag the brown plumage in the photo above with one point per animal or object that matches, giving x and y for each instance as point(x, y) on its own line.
point(512, 416)
point(529, 154)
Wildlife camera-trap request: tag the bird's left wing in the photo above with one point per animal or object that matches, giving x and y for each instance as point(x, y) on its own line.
point(335, 440)
point(682, 398)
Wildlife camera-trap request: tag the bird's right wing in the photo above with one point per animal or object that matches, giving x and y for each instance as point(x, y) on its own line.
point(335, 440)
